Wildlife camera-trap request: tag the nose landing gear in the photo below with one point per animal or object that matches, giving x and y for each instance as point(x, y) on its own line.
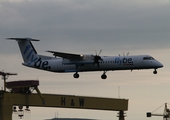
point(155, 72)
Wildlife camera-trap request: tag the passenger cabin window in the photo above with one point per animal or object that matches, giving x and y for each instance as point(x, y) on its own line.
point(148, 58)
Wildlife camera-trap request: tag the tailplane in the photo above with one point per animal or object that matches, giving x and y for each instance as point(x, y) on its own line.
point(28, 51)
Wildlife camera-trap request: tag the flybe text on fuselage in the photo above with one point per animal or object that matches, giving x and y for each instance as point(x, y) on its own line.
point(124, 61)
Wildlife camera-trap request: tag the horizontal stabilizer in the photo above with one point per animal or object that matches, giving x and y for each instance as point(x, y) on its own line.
point(28, 39)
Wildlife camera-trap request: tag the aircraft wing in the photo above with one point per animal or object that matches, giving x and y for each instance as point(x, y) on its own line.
point(67, 55)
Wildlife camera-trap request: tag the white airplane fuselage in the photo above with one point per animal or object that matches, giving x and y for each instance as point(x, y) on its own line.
point(109, 63)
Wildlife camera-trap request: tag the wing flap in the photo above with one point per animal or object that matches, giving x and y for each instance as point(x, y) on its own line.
point(67, 55)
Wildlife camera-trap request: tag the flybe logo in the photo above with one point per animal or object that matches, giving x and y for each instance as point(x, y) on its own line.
point(30, 57)
point(124, 61)
point(42, 64)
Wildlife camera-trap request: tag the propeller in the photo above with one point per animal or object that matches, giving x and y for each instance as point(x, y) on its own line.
point(124, 54)
point(97, 58)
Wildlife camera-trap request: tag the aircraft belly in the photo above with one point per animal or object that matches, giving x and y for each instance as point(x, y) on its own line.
point(101, 67)
point(104, 67)
point(64, 68)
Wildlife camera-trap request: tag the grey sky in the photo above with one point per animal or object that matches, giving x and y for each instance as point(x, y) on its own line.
point(80, 26)
point(119, 23)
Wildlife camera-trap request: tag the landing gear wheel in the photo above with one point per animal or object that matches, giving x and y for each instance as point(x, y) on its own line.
point(76, 75)
point(103, 76)
point(154, 72)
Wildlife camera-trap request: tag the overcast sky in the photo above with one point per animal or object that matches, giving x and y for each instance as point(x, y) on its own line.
point(81, 26)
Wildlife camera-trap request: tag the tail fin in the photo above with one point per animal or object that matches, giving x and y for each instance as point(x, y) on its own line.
point(28, 51)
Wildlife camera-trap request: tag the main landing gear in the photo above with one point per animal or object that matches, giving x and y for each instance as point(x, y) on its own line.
point(155, 72)
point(76, 75)
point(104, 76)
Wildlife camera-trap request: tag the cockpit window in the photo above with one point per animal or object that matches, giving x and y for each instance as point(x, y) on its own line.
point(148, 58)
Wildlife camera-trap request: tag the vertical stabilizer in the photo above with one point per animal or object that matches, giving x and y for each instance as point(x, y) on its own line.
point(28, 51)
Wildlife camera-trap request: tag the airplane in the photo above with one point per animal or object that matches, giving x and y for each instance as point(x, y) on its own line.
point(67, 62)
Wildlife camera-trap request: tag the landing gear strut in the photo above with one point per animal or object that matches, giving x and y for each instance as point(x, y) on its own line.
point(104, 76)
point(76, 75)
point(155, 72)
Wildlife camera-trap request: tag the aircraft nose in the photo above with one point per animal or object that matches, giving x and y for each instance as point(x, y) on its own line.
point(160, 65)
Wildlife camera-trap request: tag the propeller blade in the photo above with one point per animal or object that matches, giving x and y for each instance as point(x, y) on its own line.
point(97, 58)
point(95, 52)
point(99, 52)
